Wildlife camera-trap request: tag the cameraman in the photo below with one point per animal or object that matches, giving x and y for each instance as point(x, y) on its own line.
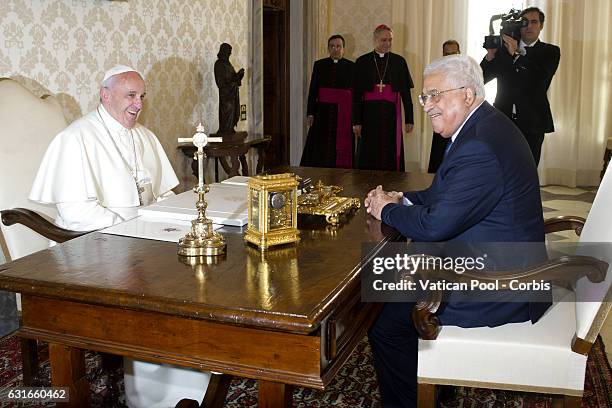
point(524, 70)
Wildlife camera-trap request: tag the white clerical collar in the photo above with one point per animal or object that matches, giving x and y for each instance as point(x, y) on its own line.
point(335, 60)
point(454, 136)
point(380, 54)
point(114, 127)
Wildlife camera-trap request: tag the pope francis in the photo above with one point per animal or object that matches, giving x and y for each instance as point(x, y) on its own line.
point(98, 171)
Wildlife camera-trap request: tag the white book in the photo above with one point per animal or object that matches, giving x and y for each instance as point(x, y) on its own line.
point(237, 181)
point(158, 229)
point(227, 205)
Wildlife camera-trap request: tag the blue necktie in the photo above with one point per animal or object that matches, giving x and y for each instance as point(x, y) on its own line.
point(448, 147)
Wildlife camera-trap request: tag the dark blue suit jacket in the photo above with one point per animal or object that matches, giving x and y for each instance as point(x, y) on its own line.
point(486, 190)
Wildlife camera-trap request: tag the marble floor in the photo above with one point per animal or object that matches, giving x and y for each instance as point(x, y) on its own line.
point(557, 200)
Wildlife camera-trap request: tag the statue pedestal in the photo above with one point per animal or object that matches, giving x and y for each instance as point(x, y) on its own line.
point(235, 137)
point(234, 146)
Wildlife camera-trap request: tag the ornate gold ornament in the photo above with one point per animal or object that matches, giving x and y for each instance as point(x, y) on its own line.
point(322, 200)
point(272, 201)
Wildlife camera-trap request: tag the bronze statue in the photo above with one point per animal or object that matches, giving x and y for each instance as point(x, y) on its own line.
point(228, 82)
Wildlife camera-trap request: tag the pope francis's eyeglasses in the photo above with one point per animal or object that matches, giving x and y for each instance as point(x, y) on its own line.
point(435, 95)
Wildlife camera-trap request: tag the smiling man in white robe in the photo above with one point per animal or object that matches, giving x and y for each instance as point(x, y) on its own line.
point(98, 172)
point(102, 167)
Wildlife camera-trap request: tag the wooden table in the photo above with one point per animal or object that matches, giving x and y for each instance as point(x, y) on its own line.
point(289, 317)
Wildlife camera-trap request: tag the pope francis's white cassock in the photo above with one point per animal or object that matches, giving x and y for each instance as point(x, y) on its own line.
point(98, 173)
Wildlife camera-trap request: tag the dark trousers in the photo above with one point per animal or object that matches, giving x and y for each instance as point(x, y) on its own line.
point(394, 342)
point(534, 139)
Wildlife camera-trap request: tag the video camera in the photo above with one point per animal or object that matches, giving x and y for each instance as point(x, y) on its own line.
point(511, 24)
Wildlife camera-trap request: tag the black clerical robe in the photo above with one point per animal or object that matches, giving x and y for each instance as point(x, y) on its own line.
point(378, 110)
point(438, 146)
point(330, 141)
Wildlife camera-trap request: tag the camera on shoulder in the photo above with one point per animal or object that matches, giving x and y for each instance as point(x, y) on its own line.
point(511, 24)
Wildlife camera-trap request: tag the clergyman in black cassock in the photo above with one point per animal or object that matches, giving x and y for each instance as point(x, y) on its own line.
point(330, 140)
point(381, 79)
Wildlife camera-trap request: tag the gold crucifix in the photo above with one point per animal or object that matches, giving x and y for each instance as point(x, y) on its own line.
point(381, 87)
point(202, 240)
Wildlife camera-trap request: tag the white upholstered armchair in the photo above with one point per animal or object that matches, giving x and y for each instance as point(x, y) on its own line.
point(547, 357)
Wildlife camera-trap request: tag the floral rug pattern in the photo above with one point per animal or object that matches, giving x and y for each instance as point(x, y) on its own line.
point(354, 386)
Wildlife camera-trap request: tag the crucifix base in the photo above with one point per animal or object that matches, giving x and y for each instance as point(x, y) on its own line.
point(212, 245)
point(202, 240)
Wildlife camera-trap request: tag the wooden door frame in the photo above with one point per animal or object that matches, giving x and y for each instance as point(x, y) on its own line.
point(280, 145)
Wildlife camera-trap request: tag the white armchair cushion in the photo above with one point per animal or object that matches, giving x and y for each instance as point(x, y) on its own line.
point(519, 356)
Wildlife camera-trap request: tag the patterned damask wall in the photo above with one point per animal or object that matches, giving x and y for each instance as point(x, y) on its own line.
point(62, 47)
point(356, 20)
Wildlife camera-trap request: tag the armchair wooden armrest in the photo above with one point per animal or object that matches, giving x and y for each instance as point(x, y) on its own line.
point(427, 324)
point(38, 224)
point(562, 271)
point(215, 393)
point(564, 223)
point(187, 403)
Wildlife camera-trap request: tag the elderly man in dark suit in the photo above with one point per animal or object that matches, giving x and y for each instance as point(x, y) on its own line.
point(486, 190)
point(524, 70)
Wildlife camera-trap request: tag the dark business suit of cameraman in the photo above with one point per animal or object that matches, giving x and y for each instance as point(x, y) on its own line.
point(524, 71)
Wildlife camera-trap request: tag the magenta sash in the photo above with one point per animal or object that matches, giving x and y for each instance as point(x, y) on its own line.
point(344, 136)
point(394, 97)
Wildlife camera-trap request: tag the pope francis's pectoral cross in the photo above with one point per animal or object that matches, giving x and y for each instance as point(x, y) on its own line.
point(381, 87)
point(200, 140)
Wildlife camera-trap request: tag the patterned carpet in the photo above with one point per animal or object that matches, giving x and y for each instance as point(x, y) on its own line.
point(354, 386)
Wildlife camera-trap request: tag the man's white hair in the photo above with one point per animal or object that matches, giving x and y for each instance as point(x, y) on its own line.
point(459, 70)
